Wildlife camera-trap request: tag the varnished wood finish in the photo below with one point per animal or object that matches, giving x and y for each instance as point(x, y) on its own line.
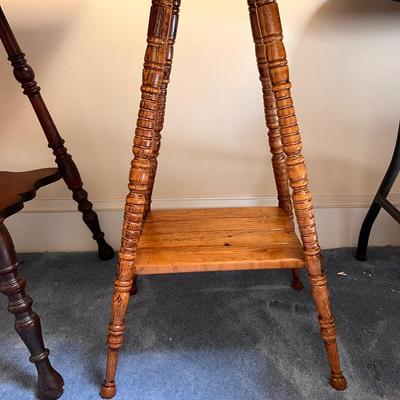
point(161, 106)
point(271, 116)
point(145, 149)
point(18, 187)
point(27, 323)
point(184, 241)
point(268, 19)
point(15, 189)
point(217, 240)
point(274, 133)
point(162, 99)
point(26, 77)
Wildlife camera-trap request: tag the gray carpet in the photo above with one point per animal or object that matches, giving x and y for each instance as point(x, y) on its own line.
point(224, 336)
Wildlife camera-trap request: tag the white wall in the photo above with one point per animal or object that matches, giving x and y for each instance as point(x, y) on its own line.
point(88, 54)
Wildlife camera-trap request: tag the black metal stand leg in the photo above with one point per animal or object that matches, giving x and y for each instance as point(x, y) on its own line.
point(380, 201)
point(361, 253)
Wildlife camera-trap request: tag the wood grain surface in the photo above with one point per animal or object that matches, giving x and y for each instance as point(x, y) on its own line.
point(218, 240)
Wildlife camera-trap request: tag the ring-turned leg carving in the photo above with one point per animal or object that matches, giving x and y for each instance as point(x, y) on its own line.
point(271, 31)
point(274, 133)
point(320, 293)
point(145, 149)
point(25, 76)
point(50, 383)
point(169, 55)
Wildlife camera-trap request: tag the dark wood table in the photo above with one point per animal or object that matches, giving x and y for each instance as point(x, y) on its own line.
point(19, 187)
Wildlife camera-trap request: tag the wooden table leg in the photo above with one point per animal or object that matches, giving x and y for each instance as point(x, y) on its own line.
point(161, 109)
point(50, 383)
point(271, 30)
point(25, 75)
point(169, 55)
point(274, 132)
point(146, 145)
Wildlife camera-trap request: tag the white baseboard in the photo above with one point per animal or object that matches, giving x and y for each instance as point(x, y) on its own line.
point(320, 201)
point(55, 225)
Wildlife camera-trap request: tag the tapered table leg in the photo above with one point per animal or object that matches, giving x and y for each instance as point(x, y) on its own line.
point(26, 77)
point(160, 117)
point(271, 30)
point(50, 384)
point(142, 173)
point(274, 133)
point(169, 55)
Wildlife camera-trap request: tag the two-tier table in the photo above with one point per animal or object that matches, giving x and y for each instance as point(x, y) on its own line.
point(183, 241)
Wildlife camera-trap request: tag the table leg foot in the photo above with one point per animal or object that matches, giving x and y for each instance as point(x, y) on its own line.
point(108, 391)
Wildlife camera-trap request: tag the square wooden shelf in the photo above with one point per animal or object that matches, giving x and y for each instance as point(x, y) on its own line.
point(218, 239)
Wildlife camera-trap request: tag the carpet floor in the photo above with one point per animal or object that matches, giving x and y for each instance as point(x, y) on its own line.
point(211, 336)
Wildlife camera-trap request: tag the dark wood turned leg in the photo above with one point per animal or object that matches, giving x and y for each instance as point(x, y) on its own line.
point(74, 182)
point(50, 384)
point(25, 75)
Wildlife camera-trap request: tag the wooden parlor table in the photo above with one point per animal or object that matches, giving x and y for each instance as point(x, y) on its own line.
point(183, 241)
point(177, 241)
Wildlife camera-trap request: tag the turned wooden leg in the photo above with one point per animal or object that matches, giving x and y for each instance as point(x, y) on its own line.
point(122, 287)
point(145, 149)
point(74, 183)
point(50, 384)
point(271, 31)
point(169, 55)
point(133, 290)
point(26, 77)
point(320, 293)
point(162, 102)
point(274, 132)
point(297, 284)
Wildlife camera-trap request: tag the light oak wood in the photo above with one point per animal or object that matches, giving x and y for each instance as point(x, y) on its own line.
point(269, 24)
point(209, 240)
point(162, 98)
point(245, 237)
point(272, 122)
point(157, 65)
point(218, 240)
